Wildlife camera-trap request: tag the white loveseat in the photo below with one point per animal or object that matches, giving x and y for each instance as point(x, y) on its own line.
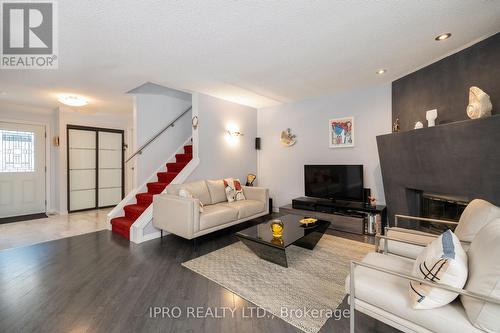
point(182, 216)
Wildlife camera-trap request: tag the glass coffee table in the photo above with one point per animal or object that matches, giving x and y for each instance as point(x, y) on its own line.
point(261, 241)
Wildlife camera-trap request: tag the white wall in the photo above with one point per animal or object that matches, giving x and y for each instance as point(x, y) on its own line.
point(122, 121)
point(281, 168)
point(151, 114)
point(218, 157)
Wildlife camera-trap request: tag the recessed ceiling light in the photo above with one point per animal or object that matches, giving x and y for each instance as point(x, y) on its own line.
point(443, 36)
point(72, 100)
point(381, 71)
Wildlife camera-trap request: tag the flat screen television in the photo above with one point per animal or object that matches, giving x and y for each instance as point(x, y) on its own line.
point(336, 182)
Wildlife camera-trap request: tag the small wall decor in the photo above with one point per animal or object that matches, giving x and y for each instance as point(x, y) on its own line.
point(341, 132)
point(479, 104)
point(431, 116)
point(287, 138)
point(195, 122)
point(419, 125)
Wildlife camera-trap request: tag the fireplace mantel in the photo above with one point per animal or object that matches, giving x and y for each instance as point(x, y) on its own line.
point(460, 158)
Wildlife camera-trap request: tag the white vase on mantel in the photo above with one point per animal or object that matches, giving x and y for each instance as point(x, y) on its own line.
point(419, 125)
point(431, 116)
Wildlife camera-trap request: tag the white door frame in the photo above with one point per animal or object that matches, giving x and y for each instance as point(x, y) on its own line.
point(46, 125)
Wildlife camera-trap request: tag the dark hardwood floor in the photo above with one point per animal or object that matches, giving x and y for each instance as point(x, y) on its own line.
point(100, 282)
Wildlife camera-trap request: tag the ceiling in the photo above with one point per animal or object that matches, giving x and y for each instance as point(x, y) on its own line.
point(258, 53)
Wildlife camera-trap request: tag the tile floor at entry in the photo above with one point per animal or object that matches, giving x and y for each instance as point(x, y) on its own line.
point(30, 232)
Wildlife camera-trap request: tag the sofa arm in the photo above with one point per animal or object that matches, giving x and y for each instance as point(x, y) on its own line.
point(257, 193)
point(176, 215)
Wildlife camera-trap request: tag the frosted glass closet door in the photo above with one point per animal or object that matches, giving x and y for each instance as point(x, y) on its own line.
point(82, 169)
point(110, 168)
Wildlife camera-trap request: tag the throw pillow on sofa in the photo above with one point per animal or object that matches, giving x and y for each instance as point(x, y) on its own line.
point(234, 191)
point(443, 261)
point(183, 193)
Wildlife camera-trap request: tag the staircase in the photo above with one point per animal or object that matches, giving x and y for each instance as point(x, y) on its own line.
point(121, 225)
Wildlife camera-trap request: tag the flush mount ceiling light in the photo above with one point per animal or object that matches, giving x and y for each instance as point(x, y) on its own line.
point(72, 100)
point(382, 71)
point(443, 36)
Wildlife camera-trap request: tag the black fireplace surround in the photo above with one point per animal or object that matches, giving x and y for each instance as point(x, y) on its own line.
point(460, 159)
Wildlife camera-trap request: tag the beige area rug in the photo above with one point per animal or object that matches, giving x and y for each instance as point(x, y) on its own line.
point(313, 280)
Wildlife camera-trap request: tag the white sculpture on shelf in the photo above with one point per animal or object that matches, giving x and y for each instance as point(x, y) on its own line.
point(431, 116)
point(479, 104)
point(419, 125)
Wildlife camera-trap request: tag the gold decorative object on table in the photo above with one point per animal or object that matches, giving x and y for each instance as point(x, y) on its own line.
point(308, 220)
point(277, 227)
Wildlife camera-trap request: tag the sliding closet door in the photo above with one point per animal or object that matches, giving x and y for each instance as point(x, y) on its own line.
point(110, 172)
point(82, 164)
point(95, 167)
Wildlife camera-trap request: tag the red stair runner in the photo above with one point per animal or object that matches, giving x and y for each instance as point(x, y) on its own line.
point(121, 225)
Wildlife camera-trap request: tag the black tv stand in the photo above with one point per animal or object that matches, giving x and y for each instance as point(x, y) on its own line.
point(343, 215)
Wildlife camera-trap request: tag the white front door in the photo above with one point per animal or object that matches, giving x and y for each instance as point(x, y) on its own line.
point(22, 169)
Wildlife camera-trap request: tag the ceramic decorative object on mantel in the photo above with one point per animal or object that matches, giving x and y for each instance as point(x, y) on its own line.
point(431, 116)
point(396, 127)
point(419, 125)
point(479, 104)
point(287, 138)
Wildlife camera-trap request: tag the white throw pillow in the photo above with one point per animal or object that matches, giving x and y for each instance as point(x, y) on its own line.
point(484, 278)
point(442, 261)
point(234, 191)
point(183, 193)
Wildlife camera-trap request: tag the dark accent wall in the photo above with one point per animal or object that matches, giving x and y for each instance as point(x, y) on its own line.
point(444, 85)
point(460, 158)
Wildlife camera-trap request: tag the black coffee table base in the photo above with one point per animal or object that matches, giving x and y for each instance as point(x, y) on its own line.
point(277, 254)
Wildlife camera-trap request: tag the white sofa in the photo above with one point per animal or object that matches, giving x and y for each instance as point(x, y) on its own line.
point(182, 216)
point(379, 287)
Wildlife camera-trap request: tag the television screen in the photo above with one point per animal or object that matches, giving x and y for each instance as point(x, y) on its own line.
point(342, 182)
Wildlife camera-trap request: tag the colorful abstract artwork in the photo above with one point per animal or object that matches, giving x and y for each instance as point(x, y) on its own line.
point(341, 132)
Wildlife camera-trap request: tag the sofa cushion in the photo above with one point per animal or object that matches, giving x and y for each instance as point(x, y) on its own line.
point(216, 189)
point(442, 261)
point(390, 293)
point(476, 215)
point(214, 215)
point(183, 193)
point(484, 278)
point(198, 189)
point(246, 208)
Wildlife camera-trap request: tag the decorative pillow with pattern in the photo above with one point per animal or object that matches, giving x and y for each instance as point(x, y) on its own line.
point(443, 261)
point(234, 191)
point(183, 193)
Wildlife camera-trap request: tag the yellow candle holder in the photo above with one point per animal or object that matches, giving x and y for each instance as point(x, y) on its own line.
point(277, 227)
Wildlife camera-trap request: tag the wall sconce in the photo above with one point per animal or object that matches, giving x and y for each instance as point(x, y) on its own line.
point(232, 134)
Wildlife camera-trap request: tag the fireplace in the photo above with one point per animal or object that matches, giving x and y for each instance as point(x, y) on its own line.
point(441, 207)
point(457, 158)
